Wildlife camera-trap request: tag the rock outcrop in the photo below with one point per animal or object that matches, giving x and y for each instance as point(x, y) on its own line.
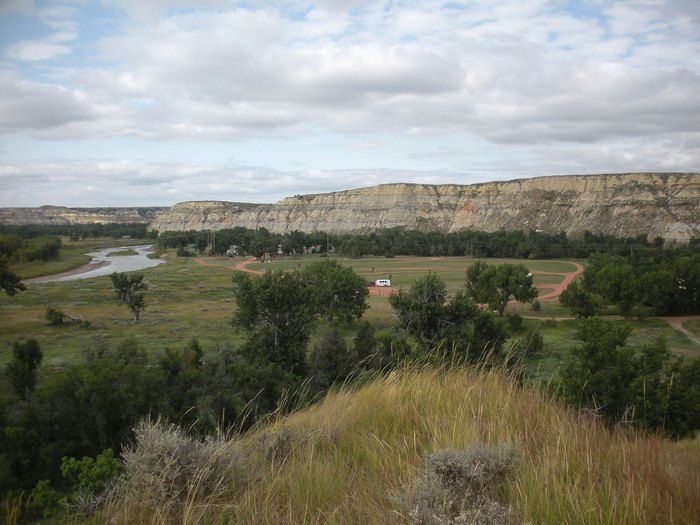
point(654, 204)
point(657, 205)
point(61, 215)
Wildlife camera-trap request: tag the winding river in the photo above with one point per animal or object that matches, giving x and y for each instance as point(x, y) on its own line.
point(103, 264)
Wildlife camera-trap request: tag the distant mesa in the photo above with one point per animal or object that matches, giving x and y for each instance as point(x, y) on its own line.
point(663, 205)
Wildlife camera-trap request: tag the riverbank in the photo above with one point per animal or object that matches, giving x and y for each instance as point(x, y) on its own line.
point(105, 262)
point(69, 273)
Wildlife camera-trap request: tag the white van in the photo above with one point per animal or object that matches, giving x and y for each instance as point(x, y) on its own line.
point(383, 282)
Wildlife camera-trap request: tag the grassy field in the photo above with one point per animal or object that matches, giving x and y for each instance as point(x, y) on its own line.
point(188, 300)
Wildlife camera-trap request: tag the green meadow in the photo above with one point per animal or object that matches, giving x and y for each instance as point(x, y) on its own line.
point(186, 299)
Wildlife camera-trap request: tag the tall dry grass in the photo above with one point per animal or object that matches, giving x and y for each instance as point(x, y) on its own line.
point(341, 460)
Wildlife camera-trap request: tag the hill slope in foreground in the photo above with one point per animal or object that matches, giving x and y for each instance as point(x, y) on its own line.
point(357, 456)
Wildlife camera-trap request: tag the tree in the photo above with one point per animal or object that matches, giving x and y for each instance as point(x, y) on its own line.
point(618, 383)
point(581, 302)
point(421, 309)
point(495, 285)
point(683, 417)
point(127, 289)
point(21, 371)
point(10, 282)
point(278, 314)
point(331, 360)
point(336, 290)
point(365, 346)
point(458, 326)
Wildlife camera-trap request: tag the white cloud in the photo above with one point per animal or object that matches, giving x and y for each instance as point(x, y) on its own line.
point(617, 82)
point(35, 50)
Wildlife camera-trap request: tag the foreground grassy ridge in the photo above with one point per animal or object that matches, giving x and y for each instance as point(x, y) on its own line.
point(341, 460)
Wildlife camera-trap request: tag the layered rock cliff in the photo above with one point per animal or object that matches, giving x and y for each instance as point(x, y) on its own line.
point(652, 204)
point(46, 215)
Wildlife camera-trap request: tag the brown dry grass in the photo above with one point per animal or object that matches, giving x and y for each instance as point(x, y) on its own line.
point(346, 456)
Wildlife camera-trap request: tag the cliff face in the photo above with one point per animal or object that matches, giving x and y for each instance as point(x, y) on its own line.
point(657, 205)
point(61, 215)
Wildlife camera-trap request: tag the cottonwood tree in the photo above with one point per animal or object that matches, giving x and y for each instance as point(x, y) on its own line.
point(331, 360)
point(581, 302)
point(339, 293)
point(614, 380)
point(456, 325)
point(278, 314)
point(495, 285)
point(128, 290)
point(279, 310)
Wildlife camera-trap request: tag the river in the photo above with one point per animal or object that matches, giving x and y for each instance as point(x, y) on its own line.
point(103, 264)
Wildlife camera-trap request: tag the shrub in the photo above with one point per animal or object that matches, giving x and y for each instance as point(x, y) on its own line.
point(44, 500)
point(515, 323)
point(530, 343)
point(460, 486)
point(276, 443)
point(165, 467)
point(54, 317)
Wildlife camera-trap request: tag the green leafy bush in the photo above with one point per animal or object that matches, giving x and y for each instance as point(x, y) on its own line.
point(54, 317)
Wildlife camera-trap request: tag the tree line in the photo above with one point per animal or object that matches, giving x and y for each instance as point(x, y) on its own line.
point(80, 231)
point(399, 241)
point(640, 285)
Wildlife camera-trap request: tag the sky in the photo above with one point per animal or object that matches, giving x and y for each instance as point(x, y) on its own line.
point(154, 102)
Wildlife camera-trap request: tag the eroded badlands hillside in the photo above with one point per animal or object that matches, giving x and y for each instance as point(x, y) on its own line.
point(657, 205)
point(61, 215)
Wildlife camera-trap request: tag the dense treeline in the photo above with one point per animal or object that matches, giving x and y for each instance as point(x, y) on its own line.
point(640, 285)
point(42, 248)
point(80, 231)
point(398, 241)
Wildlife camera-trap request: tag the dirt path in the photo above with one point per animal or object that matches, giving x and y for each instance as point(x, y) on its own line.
point(677, 323)
point(241, 266)
point(557, 289)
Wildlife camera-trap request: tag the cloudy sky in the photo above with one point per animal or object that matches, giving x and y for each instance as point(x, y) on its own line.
point(153, 102)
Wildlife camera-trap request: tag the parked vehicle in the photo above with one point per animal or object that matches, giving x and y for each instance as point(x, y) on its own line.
point(383, 282)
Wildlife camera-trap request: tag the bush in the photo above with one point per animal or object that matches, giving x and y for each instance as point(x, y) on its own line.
point(515, 323)
point(460, 486)
point(276, 443)
point(530, 343)
point(44, 501)
point(54, 317)
point(165, 467)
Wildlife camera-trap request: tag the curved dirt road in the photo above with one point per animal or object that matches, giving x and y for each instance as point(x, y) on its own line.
point(241, 266)
point(557, 289)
